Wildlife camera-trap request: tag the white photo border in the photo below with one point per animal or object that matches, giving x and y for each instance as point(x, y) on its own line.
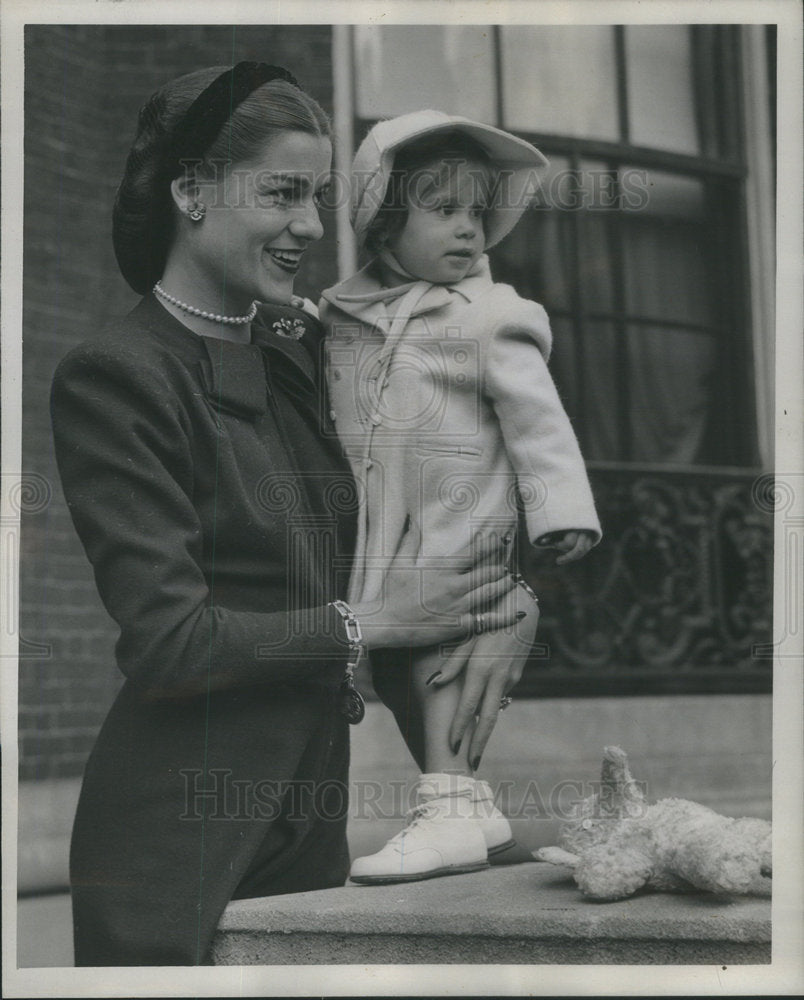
point(784, 975)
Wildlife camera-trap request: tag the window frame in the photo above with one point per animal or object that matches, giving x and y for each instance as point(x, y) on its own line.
point(733, 425)
point(708, 495)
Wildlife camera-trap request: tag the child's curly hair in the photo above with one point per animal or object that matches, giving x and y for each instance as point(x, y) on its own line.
point(442, 153)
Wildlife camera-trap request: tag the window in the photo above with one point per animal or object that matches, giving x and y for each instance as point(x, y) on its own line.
point(402, 69)
point(636, 242)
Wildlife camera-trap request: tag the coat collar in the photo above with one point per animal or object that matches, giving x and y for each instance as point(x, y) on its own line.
point(234, 375)
point(363, 297)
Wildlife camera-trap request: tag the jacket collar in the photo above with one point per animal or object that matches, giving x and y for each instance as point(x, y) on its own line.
point(363, 298)
point(235, 375)
point(235, 378)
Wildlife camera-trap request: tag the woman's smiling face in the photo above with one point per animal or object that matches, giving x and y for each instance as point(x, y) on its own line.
point(260, 219)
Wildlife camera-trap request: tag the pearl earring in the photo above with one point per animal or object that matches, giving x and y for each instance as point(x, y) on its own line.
point(198, 211)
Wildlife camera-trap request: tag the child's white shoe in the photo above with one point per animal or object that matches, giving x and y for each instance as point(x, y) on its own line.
point(430, 845)
point(460, 796)
point(453, 828)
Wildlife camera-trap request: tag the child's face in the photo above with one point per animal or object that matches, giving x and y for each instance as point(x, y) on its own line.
point(443, 235)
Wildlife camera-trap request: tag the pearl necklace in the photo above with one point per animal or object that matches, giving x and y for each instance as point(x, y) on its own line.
point(212, 317)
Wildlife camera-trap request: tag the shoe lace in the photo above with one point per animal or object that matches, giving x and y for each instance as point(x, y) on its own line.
point(414, 816)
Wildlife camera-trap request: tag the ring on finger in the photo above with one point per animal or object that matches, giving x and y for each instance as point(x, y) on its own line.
point(505, 701)
point(480, 624)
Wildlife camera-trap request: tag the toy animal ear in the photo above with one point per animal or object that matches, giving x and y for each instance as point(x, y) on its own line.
point(619, 794)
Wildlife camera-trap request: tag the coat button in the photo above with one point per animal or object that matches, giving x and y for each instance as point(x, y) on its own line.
point(332, 415)
point(336, 374)
point(368, 463)
point(375, 419)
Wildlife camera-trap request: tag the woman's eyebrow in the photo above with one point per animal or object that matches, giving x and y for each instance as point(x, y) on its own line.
point(297, 178)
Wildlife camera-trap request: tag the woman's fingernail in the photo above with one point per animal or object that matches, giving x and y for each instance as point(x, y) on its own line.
point(476, 763)
point(520, 615)
point(432, 677)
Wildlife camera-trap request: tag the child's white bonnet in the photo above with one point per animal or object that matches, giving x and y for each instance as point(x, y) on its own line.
point(516, 162)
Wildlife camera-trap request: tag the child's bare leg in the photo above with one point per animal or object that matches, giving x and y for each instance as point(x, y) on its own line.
point(436, 706)
point(423, 713)
point(455, 825)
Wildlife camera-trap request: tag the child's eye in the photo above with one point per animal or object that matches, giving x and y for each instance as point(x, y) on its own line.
point(445, 211)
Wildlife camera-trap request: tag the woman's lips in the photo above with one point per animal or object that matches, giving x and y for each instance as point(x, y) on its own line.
point(288, 260)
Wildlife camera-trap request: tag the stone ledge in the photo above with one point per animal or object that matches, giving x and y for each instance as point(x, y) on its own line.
point(520, 914)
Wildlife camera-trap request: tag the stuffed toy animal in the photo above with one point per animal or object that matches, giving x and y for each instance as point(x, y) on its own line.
point(616, 843)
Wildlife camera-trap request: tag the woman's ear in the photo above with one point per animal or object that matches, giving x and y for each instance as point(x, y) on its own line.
point(184, 191)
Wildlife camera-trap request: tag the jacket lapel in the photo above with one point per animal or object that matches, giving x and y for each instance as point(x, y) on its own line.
point(300, 353)
point(234, 378)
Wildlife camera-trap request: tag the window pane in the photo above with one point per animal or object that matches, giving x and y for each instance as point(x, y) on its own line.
point(402, 68)
point(661, 104)
point(596, 270)
point(669, 275)
point(669, 271)
point(564, 239)
point(598, 430)
point(560, 79)
point(563, 366)
point(595, 263)
point(671, 377)
point(536, 257)
point(585, 371)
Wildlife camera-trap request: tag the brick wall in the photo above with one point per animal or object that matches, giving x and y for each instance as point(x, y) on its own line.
point(84, 85)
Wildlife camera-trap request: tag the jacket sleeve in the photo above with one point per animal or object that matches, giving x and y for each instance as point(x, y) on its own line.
point(539, 438)
point(123, 446)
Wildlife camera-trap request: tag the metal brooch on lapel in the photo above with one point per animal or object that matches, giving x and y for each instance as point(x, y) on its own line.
point(294, 329)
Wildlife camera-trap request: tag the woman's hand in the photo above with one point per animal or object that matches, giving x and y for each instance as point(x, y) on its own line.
point(427, 601)
point(493, 663)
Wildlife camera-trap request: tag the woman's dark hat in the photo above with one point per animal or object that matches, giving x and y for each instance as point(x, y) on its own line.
point(213, 107)
point(142, 219)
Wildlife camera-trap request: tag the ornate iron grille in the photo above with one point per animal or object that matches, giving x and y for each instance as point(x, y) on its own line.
point(676, 598)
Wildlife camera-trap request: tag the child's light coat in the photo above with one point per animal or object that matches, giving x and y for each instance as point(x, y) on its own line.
point(443, 402)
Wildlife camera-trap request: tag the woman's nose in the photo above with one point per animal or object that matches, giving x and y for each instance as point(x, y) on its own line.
point(307, 222)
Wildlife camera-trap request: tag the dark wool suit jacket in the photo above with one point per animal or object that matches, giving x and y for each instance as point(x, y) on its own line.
point(207, 486)
point(210, 499)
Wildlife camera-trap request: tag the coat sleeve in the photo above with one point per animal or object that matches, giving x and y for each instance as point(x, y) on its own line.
point(123, 446)
point(538, 435)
